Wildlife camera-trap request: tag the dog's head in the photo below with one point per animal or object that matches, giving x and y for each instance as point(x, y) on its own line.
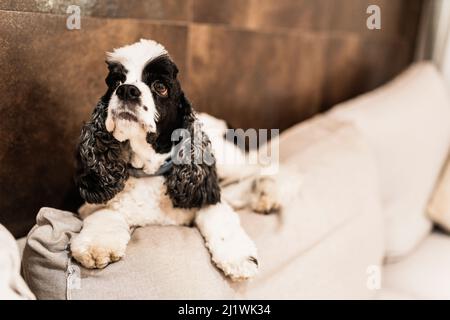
point(144, 98)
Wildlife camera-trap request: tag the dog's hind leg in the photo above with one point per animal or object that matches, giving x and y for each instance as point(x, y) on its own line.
point(231, 248)
point(260, 194)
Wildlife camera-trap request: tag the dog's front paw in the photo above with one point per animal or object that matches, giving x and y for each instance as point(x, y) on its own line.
point(236, 256)
point(99, 250)
point(264, 196)
point(240, 269)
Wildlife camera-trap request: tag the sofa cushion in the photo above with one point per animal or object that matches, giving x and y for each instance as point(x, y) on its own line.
point(330, 216)
point(407, 123)
point(424, 274)
point(439, 206)
point(335, 267)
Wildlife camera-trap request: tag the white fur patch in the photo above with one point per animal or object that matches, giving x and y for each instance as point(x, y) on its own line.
point(231, 248)
point(102, 240)
point(137, 54)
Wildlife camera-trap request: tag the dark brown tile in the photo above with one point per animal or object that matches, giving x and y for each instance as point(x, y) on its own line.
point(51, 79)
point(355, 65)
point(230, 12)
point(255, 80)
point(264, 14)
point(141, 9)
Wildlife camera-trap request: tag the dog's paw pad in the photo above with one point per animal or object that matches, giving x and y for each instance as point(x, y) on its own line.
point(95, 254)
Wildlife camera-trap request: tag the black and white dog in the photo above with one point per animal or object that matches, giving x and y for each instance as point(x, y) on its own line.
point(128, 139)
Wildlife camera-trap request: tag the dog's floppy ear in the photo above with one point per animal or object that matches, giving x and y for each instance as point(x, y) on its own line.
point(187, 112)
point(193, 184)
point(101, 167)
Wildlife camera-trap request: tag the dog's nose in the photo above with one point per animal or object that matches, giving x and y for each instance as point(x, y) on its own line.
point(128, 92)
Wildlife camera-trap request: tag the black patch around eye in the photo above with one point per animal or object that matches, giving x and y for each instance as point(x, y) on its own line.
point(117, 74)
point(161, 68)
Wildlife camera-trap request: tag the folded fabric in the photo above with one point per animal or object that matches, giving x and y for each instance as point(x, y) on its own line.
point(12, 286)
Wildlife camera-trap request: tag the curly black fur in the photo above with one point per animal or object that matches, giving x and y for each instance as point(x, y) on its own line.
point(193, 185)
point(101, 162)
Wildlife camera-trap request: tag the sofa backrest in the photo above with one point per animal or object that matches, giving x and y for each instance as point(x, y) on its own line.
point(407, 123)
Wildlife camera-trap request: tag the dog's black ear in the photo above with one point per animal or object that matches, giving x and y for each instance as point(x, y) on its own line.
point(101, 170)
point(194, 183)
point(187, 112)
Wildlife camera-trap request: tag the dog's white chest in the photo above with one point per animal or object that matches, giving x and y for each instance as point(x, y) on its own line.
point(144, 199)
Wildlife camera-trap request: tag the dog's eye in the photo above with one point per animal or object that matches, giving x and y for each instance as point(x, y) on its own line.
point(160, 88)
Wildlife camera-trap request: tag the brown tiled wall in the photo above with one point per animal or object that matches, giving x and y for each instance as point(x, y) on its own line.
point(256, 63)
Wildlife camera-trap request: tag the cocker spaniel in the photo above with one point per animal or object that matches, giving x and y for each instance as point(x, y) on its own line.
point(137, 165)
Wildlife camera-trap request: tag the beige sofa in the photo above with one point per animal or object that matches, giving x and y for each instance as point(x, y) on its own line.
point(356, 227)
